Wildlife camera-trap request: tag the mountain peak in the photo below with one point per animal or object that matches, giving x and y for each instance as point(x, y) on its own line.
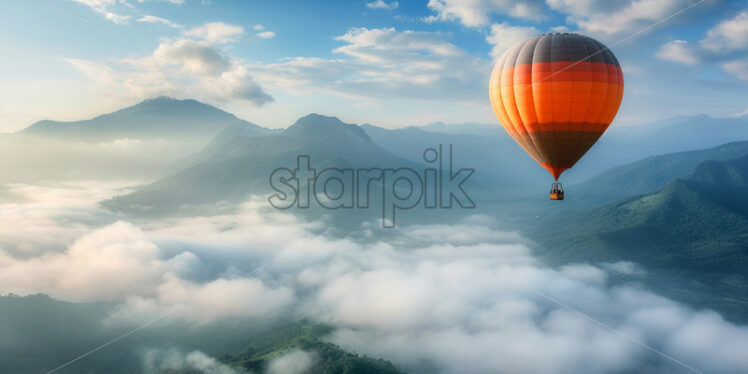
point(160, 99)
point(317, 120)
point(317, 126)
point(167, 101)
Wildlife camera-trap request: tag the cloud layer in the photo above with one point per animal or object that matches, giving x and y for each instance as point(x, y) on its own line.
point(463, 297)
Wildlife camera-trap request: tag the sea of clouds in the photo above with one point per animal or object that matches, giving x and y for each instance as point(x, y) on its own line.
point(468, 297)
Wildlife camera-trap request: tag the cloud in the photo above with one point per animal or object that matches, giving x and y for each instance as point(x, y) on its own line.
point(381, 4)
point(737, 68)
point(236, 84)
point(158, 360)
point(163, 21)
point(266, 35)
point(196, 57)
point(463, 297)
point(383, 64)
point(729, 35)
point(678, 51)
point(104, 8)
point(504, 36)
point(121, 143)
point(118, 262)
point(181, 67)
point(720, 45)
point(177, 2)
point(476, 13)
point(295, 361)
point(216, 32)
point(616, 18)
point(367, 43)
point(105, 264)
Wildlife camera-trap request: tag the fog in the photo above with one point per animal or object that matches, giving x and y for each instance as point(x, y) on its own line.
point(465, 297)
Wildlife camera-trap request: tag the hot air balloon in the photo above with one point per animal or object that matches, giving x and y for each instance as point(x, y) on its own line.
point(556, 94)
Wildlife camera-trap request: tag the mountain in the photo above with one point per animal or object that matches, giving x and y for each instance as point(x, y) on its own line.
point(140, 142)
point(331, 359)
point(234, 166)
point(497, 160)
point(466, 128)
point(692, 234)
point(161, 117)
point(39, 333)
point(625, 144)
point(619, 146)
point(654, 172)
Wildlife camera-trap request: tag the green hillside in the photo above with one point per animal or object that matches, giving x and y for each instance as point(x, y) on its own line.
point(692, 235)
point(331, 359)
point(653, 173)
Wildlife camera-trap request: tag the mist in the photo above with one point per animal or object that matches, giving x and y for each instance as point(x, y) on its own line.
point(465, 297)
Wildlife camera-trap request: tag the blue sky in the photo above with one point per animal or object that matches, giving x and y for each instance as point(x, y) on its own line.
point(383, 62)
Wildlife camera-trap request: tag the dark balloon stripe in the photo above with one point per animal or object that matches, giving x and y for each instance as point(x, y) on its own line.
point(557, 150)
point(562, 47)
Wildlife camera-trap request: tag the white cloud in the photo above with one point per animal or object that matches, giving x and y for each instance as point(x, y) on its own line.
point(119, 262)
point(236, 83)
point(106, 264)
point(504, 36)
point(258, 27)
point(475, 13)
point(196, 57)
point(104, 8)
point(158, 360)
point(216, 32)
point(163, 21)
point(177, 2)
point(729, 35)
point(121, 143)
point(381, 4)
point(296, 361)
point(616, 18)
point(454, 298)
point(383, 64)
point(737, 68)
point(181, 67)
point(266, 35)
point(678, 51)
point(366, 43)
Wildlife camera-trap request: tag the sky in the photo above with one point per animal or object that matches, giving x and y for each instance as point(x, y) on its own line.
point(383, 62)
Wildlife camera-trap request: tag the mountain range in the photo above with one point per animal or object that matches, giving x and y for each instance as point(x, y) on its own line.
point(669, 197)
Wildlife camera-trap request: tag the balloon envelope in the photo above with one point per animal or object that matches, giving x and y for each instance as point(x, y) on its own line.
point(556, 94)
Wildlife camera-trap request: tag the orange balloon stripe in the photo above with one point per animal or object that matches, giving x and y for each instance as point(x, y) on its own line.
point(535, 77)
point(567, 105)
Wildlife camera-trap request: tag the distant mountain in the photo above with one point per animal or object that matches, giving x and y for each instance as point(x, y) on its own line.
point(619, 146)
point(653, 173)
point(143, 141)
point(466, 128)
point(500, 165)
point(622, 145)
point(162, 117)
point(695, 229)
point(233, 165)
